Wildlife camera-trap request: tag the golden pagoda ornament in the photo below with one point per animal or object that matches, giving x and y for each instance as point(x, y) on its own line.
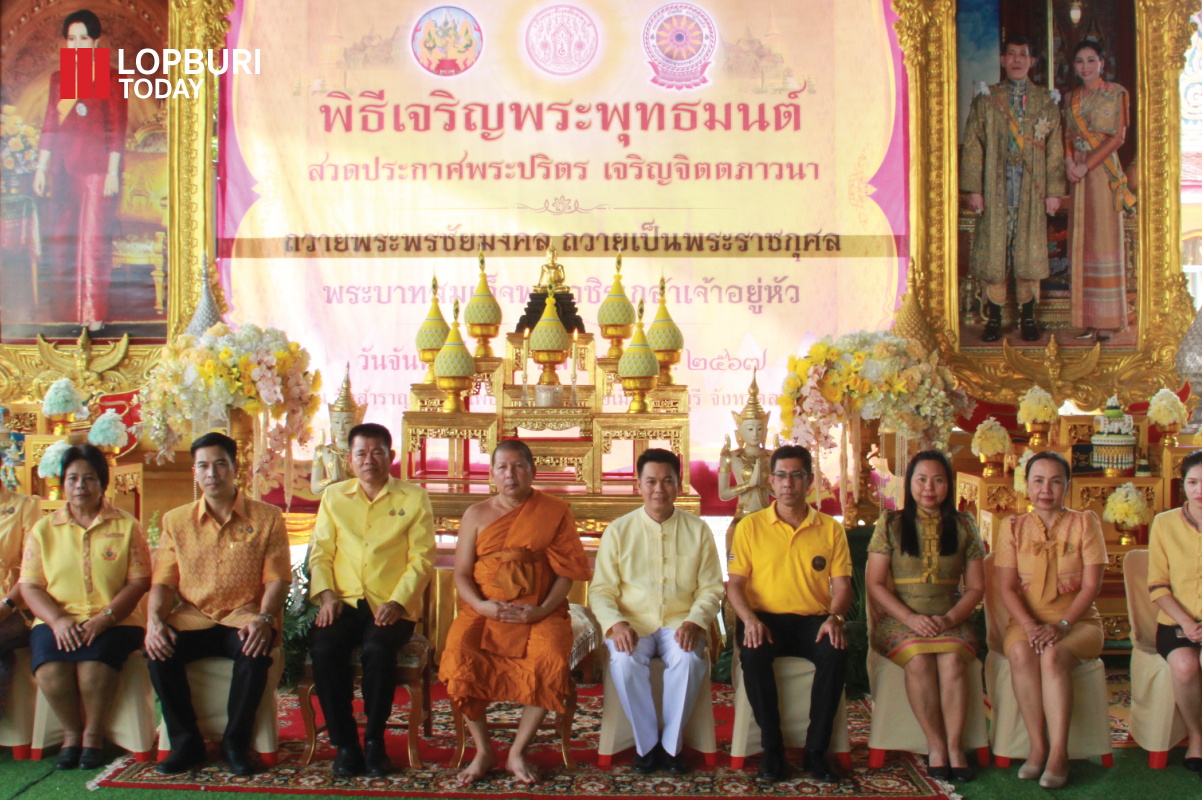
point(665, 338)
point(550, 343)
point(483, 315)
point(616, 315)
point(638, 369)
point(431, 335)
point(454, 368)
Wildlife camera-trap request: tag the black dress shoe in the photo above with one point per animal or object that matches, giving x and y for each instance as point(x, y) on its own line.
point(238, 760)
point(943, 773)
point(993, 322)
point(1028, 328)
point(1193, 764)
point(91, 758)
point(772, 766)
point(349, 762)
point(68, 758)
point(182, 759)
point(820, 769)
point(962, 774)
point(676, 764)
point(376, 756)
point(648, 762)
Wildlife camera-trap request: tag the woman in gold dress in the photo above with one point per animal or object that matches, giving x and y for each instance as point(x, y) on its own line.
point(928, 549)
point(1095, 127)
point(1049, 569)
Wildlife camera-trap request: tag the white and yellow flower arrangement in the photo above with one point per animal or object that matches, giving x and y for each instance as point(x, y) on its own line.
point(63, 404)
point(1127, 509)
point(109, 434)
point(1020, 471)
point(1037, 411)
point(257, 370)
point(50, 468)
point(991, 443)
point(1165, 408)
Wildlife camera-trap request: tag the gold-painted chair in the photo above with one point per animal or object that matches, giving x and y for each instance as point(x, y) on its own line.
point(414, 671)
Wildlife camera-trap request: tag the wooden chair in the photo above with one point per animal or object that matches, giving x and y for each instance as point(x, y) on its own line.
point(414, 671)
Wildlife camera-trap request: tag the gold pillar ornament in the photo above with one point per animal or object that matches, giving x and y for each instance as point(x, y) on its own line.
point(638, 369)
point(431, 335)
point(483, 315)
point(454, 368)
point(549, 342)
point(665, 338)
point(61, 423)
point(616, 315)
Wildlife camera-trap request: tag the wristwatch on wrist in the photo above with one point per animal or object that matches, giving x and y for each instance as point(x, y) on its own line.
point(11, 605)
point(839, 617)
point(1064, 623)
point(107, 612)
point(270, 620)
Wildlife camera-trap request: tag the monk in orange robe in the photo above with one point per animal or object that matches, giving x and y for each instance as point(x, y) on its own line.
point(517, 556)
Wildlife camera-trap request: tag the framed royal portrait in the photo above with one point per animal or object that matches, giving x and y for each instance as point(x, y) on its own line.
point(105, 191)
point(1046, 145)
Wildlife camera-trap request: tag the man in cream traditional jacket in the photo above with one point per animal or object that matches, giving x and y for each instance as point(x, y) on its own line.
point(656, 589)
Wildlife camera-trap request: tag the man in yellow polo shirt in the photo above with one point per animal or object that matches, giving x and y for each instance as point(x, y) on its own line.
point(371, 558)
point(790, 585)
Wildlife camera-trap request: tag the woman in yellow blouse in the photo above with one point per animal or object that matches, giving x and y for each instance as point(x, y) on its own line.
point(86, 567)
point(1175, 584)
point(1049, 569)
point(928, 548)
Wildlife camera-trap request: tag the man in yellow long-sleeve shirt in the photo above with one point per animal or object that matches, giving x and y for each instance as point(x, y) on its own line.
point(371, 558)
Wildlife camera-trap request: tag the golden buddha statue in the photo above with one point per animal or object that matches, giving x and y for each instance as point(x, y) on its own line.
point(331, 463)
point(750, 463)
point(551, 279)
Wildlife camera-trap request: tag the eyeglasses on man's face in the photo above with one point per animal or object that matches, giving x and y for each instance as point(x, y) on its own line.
point(798, 475)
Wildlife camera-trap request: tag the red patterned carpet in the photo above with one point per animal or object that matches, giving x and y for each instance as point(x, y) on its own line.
point(903, 775)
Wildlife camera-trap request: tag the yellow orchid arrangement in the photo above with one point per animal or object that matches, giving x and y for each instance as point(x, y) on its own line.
point(18, 142)
point(252, 369)
point(1127, 506)
point(990, 439)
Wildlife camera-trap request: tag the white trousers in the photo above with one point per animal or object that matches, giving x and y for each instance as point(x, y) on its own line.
point(631, 673)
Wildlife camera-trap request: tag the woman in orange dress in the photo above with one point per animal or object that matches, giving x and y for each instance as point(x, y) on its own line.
point(1049, 567)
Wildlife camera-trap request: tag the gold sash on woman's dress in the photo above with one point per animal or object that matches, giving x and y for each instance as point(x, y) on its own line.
point(1045, 578)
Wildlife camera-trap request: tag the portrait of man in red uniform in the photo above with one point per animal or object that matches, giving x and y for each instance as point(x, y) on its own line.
point(79, 168)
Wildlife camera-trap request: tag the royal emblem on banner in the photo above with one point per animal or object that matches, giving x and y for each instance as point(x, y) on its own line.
point(447, 41)
point(561, 40)
point(679, 39)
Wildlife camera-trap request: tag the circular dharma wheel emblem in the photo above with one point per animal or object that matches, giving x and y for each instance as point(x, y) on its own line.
point(679, 40)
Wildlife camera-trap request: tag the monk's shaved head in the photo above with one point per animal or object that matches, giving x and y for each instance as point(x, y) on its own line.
point(514, 446)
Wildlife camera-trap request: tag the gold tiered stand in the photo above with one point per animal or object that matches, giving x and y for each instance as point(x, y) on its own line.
point(571, 443)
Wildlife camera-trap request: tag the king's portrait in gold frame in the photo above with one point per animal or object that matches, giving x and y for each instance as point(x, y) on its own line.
point(102, 261)
point(1071, 279)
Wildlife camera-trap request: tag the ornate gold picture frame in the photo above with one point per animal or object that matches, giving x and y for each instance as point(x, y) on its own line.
point(927, 35)
point(119, 366)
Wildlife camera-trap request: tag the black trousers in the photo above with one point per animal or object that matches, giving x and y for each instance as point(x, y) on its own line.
point(170, 679)
point(333, 676)
point(793, 636)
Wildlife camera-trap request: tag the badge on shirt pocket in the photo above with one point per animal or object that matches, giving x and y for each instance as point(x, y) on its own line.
point(819, 563)
point(109, 554)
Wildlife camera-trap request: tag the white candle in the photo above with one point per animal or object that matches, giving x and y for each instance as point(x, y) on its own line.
point(575, 356)
point(525, 362)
